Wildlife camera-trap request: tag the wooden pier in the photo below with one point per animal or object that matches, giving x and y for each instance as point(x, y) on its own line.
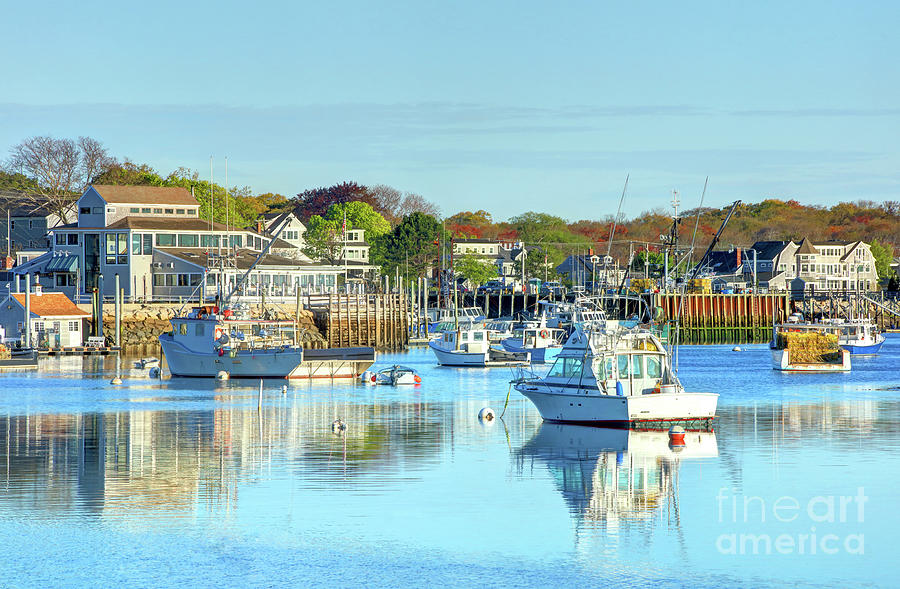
point(723, 318)
point(381, 321)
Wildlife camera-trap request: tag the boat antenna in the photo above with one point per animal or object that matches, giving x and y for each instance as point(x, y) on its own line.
point(684, 282)
point(612, 232)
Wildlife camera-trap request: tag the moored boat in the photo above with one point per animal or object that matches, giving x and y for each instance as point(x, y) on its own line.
point(392, 375)
point(807, 347)
point(615, 377)
point(472, 347)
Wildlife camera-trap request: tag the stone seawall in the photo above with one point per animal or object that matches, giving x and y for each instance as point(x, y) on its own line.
point(142, 324)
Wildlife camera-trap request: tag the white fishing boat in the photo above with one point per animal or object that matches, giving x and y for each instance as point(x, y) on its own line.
point(615, 377)
point(440, 318)
point(472, 347)
point(541, 342)
point(393, 375)
point(860, 337)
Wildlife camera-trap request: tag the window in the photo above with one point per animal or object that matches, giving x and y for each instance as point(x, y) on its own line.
point(165, 239)
point(157, 211)
point(136, 244)
point(191, 212)
point(183, 279)
point(623, 366)
point(134, 210)
point(171, 279)
point(145, 210)
point(97, 210)
point(637, 365)
point(73, 239)
point(237, 241)
point(566, 368)
point(182, 328)
point(159, 280)
point(179, 211)
point(188, 240)
point(209, 241)
point(60, 239)
point(147, 248)
point(196, 279)
point(123, 248)
point(654, 367)
point(84, 211)
point(170, 211)
point(74, 326)
point(110, 248)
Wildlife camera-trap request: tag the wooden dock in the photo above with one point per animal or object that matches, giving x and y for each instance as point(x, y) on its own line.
point(724, 318)
point(381, 321)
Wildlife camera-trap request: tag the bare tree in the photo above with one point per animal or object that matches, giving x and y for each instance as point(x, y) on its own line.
point(94, 159)
point(61, 167)
point(387, 202)
point(413, 203)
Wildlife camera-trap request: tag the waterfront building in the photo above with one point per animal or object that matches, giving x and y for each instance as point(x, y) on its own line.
point(31, 216)
point(808, 266)
point(583, 270)
point(153, 239)
point(55, 321)
point(503, 255)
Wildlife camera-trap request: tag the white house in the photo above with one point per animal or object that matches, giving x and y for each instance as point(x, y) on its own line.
point(55, 320)
point(825, 265)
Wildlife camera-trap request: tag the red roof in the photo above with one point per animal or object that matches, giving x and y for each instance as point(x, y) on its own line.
point(51, 304)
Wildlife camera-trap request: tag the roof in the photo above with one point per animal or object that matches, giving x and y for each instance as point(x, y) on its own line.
point(768, 250)
point(244, 258)
point(806, 247)
point(475, 240)
point(24, 204)
point(168, 223)
point(724, 262)
point(50, 304)
point(166, 195)
point(62, 264)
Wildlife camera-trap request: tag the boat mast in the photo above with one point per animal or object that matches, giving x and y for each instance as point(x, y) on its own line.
point(612, 232)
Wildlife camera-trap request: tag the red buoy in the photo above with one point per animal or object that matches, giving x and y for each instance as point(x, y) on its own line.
point(676, 435)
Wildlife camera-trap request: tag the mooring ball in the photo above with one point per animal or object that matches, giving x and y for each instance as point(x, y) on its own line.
point(222, 375)
point(338, 426)
point(486, 414)
point(736, 349)
point(284, 389)
point(116, 380)
point(154, 372)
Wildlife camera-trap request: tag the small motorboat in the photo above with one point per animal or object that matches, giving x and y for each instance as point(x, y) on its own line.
point(392, 375)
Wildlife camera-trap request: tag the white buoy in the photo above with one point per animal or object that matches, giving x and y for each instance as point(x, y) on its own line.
point(116, 380)
point(736, 349)
point(486, 415)
point(338, 427)
point(222, 375)
point(284, 389)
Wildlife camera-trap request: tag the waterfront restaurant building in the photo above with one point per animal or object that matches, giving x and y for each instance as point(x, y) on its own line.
point(155, 241)
point(55, 320)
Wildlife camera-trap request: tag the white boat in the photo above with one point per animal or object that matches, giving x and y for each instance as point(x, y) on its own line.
point(615, 377)
point(206, 342)
point(542, 342)
point(393, 375)
point(791, 354)
point(472, 347)
point(860, 337)
point(148, 362)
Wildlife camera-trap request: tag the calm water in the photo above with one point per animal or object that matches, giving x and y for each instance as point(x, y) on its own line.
point(182, 481)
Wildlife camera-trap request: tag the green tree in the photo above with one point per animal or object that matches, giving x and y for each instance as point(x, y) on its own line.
point(474, 269)
point(324, 239)
point(415, 240)
point(884, 255)
point(360, 215)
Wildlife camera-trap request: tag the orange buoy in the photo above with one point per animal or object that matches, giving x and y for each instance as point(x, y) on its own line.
point(417, 379)
point(676, 435)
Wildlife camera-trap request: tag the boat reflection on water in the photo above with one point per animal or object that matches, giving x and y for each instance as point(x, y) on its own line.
point(607, 476)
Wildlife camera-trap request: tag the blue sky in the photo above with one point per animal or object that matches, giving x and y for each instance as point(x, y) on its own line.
point(506, 106)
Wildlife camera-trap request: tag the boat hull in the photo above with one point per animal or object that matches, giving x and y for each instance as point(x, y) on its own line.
point(458, 357)
point(292, 363)
point(864, 349)
point(781, 362)
point(598, 409)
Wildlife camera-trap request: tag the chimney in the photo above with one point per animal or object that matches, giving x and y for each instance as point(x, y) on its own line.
point(259, 226)
point(37, 289)
point(7, 263)
point(738, 258)
point(591, 251)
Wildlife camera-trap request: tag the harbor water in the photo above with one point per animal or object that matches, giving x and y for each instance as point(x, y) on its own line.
point(169, 482)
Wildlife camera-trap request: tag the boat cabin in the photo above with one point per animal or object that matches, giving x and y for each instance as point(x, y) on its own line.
point(473, 341)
